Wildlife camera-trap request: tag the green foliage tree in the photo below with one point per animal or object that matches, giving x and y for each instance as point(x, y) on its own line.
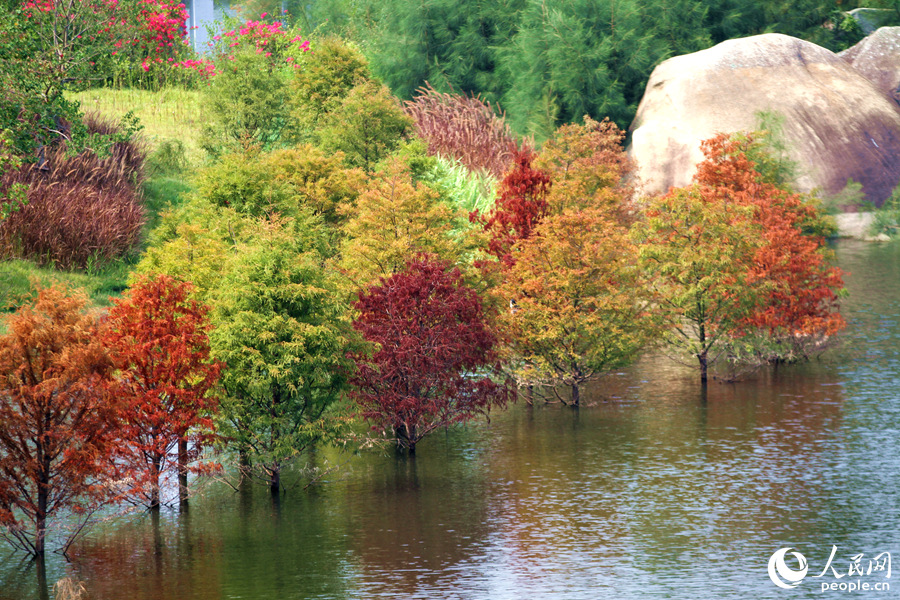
point(283, 330)
point(571, 59)
point(248, 103)
point(368, 125)
point(450, 44)
point(323, 78)
point(549, 62)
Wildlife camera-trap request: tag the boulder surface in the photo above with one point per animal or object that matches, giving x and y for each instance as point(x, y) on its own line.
point(877, 58)
point(836, 124)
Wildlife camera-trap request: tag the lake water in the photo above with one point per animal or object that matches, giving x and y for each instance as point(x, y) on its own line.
point(651, 491)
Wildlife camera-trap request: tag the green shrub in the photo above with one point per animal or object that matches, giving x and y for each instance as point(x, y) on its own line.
point(169, 158)
point(886, 219)
point(322, 79)
point(248, 101)
point(368, 125)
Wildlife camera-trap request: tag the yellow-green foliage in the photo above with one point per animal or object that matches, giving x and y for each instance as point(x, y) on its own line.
point(193, 243)
point(323, 78)
point(392, 220)
point(368, 125)
point(170, 114)
point(282, 327)
point(284, 181)
point(580, 300)
point(315, 180)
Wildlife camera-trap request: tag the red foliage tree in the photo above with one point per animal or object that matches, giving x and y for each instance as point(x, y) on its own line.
point(59, 426)
point(521, 204)
point(158, 336)
point(431, 339)
point(803, 287)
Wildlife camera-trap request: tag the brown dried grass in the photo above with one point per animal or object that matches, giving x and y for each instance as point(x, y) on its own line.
point(83, 211)
point(463, 127)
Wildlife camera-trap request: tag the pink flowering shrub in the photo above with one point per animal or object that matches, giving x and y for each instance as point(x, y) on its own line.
point(281, 46)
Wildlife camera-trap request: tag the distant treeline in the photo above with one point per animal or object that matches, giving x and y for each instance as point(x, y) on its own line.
point(547, 62)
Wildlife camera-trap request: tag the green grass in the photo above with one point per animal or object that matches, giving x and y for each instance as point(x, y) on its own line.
point(170, 114)
point(18, 276)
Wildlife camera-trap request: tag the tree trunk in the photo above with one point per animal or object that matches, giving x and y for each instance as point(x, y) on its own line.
point(182, 471)
point(275, 479)
point(406, 438)
point(703, 358)
point(41, 516)
point(576, 395)
point(155, 467)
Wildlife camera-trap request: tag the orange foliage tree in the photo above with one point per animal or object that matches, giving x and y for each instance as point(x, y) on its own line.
point(804, 288)
point(731, 261)
point(59, 425)
point(158, 337)
point(569, 268)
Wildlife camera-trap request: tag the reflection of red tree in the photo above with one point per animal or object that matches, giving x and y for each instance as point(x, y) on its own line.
point(423, 523)
point(149, 560)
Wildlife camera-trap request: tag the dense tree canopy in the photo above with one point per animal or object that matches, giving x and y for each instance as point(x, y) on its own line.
point(432, 352)
point(157, 335)
point(549, 62)
point(60, 427)
point(730, 256)
point(283, 331)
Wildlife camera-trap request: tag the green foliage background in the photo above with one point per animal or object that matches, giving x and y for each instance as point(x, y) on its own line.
point(548, 62)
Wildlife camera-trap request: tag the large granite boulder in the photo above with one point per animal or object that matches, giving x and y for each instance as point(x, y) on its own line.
point(837, 124)
point(877, 57)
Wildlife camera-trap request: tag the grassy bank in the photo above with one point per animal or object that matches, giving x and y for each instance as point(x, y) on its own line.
point(170, 114)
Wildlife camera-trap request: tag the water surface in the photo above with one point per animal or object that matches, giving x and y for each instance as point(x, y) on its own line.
point(655, 490)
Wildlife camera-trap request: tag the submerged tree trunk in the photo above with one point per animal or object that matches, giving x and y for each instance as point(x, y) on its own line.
point(703, 355)
point(703, 358)
point(43, 495)
point(406, 438)
point(275, 478)
point(182, 471)
point(155, 468)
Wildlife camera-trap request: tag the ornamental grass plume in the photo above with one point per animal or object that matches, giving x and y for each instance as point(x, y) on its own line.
point(82, 210)
point(463, 127)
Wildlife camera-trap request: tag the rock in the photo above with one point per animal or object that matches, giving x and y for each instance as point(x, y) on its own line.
point(855, 225)
point(870, 19)
point(837, 125)
point(877, 57)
